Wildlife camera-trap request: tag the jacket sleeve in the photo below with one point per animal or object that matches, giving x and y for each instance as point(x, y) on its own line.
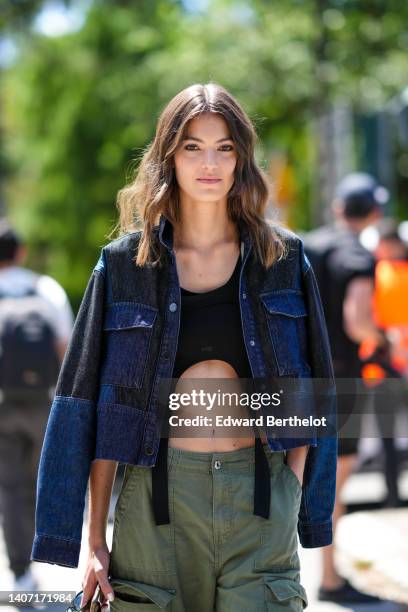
point(68, 446)
point(315, 517)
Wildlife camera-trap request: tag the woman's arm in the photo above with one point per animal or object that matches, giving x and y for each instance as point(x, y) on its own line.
point(69, 441)
point(102, 477)
point(319, 486)
point(101, 481)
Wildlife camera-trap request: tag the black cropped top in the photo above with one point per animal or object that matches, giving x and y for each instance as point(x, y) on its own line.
point(211, 328)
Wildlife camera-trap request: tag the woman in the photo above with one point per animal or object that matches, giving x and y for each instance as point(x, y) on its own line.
point(213, 524)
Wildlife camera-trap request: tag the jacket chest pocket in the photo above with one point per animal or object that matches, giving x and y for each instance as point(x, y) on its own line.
point(128, 329)
point(286, 315)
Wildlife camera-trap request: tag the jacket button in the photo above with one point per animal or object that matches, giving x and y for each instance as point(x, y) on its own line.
point(244, 296)
point(149, 450)
point(252, 342)
point(173, 307)
point(166, 355)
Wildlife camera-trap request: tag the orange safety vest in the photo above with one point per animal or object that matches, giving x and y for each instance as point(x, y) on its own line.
point(391, 293)
point(390, 309)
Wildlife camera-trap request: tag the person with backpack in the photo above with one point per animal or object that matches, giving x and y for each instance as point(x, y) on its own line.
point(35, 326)
point(345, 273)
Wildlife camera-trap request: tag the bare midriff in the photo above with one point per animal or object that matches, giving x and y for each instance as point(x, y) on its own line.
point(207, 438)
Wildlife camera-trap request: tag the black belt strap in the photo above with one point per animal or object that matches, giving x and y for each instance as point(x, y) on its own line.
point(160, 488)
point(262, 488)
point(160, 491)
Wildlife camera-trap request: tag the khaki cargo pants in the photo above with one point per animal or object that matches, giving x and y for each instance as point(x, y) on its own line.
point(215, 555)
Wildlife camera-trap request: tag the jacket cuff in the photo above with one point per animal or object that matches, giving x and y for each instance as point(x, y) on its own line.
point(314, 536)
point(59, 551)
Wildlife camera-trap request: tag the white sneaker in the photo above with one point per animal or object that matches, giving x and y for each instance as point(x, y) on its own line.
point(26, 582)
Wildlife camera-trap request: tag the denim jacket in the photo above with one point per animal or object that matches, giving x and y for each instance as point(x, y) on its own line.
point(124, 342)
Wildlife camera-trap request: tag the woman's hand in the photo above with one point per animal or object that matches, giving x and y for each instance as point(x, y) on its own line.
point(101, 481)
point(97, 573)
point(296, 458)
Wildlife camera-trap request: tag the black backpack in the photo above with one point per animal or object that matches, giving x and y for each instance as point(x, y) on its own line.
point(29, 362)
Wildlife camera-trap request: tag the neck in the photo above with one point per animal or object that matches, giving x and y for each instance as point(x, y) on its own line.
point(353, 225)
point(203, 227)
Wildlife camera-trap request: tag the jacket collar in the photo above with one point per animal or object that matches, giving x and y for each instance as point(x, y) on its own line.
point(165, 233)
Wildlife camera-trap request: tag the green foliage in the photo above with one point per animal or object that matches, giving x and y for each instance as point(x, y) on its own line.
point(15, 14)
point(80, 108)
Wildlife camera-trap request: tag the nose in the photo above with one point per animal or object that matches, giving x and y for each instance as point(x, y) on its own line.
point(210, 159)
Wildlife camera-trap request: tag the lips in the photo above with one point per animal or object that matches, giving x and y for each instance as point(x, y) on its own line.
point(209, 180)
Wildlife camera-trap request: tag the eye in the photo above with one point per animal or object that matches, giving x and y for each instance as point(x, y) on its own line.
point(191, 147)
point(227, 148)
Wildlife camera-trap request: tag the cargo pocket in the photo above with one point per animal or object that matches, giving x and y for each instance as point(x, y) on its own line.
point(286, 313)
point(128, 330)
point(284, 594)
point(134, 595)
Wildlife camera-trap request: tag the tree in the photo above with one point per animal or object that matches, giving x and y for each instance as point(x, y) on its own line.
point(81, 108)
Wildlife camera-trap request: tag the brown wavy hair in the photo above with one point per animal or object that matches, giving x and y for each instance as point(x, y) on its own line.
point(154, 189)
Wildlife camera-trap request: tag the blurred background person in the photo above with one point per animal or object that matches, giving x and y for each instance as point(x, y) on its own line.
point(345, 272)
point(35, 325)
point(390, 245)
point(390, 303)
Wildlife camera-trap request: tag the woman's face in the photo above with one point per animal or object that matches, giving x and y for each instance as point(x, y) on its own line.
point(206, 152)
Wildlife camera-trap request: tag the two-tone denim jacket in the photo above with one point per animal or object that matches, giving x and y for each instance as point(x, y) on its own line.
point(124, 343)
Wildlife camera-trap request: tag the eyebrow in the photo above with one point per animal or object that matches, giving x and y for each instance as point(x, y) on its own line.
point(187, 137)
